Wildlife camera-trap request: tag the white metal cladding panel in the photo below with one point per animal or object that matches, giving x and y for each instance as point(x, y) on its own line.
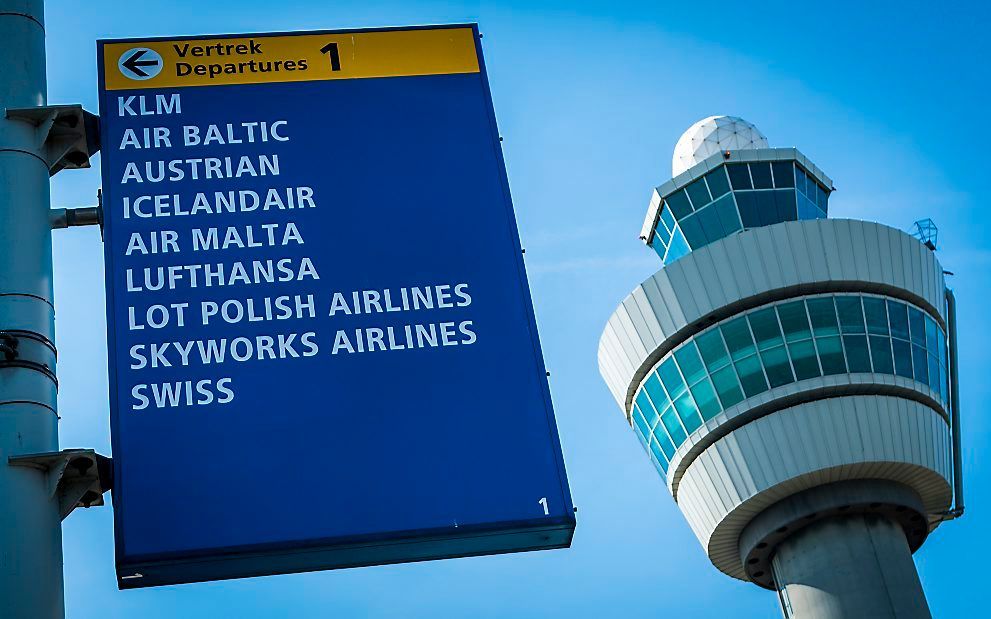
point(758, 262)
point(854, 437)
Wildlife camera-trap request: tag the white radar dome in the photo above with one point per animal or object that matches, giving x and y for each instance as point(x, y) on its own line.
point(713, 135)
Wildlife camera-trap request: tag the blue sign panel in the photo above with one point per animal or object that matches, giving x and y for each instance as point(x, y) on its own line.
point(322, 345)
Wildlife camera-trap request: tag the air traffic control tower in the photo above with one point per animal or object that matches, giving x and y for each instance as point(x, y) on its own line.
point(791, 377)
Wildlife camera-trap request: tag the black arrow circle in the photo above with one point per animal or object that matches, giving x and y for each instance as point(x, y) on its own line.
point(134, 63)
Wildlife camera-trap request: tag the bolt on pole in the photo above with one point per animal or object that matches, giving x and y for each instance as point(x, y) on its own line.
point(30, 525)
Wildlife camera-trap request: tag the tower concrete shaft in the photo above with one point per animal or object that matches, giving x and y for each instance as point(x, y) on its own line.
point(849, 566)
point(30, 524)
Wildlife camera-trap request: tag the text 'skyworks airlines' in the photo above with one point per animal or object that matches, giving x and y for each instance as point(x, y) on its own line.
point(322, 345)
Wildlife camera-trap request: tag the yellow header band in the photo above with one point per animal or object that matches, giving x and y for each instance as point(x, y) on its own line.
point(288, 58)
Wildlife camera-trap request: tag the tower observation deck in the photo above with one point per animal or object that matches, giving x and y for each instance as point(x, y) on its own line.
point(791, 377)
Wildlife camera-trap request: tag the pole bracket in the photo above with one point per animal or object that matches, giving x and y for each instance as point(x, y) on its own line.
point(67, 134)
point(77, 477)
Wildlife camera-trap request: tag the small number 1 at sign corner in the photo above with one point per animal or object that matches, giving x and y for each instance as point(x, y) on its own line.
point(543, 503)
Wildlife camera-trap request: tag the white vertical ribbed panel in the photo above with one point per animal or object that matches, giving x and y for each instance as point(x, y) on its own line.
point(853, 437)
point(755, 266)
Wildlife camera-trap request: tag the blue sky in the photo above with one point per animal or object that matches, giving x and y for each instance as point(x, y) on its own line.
point(890, 101)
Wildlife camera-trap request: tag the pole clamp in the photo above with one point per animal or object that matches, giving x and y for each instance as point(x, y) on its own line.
point(76, 477)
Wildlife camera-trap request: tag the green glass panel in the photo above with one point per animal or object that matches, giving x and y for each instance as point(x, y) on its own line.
point(831, 355)
point(784, 203)
point(665, 443)
point(851, 314)
point(699, 194)
point(760, 171)
point(803, 357)
point(653, 388)
point(668, 219)
point(933, 372)
point(690, 363)
point(641, 424)
point(903, 358)
point(705, 397)
point(671, 378)
point(784, 174)
point(678, 247)
point(749, 210)
point(679, 204)
point(917, 325)
point(673, 426)
point(877, 315)
point(857, 357)
point(738, 338)
point(881, 354)
point(919, 364)
point(932, 342)
point(718, 185)
point(794, 321)
point(727, 387)
point(943, 386)
point(711, 226)
point(766, 208)
point(764, 324)
point(739, 176)
point(655, 449)
point(689, 413)
point(751, 376)
point(777, 367)
point(823, 316)
point(712, 349)
point(694, 234)
point(941, 347)
point(729, 219)
point(897, 314)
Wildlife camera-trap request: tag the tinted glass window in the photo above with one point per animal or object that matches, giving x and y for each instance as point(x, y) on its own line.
point(831, 355)
point(917, 326)
point(671, 378)
point(898, 314)
point(823, 316)
point(803, 357)
point(711, 225)
point(760, 171)
point(705, 397)
point(851, 315)
point(751, 376)
point(679, 204)
point(713, 352)
point(690, 363)
point(777, 366)
point(738, 340)
point(932, 343)
point(699, 194)
point(764, 324)
point(673, 426)
point(678, 247)
point(767, 210)
point(784, 173)
point(662, 439)
point(653, 389)
point(903, 358)
point(784, 202)
point(749, 212)
point(694, 234)
point(794, 321)
point(726, 211)
point(718, 185)
point(727, 387)
point(739, 176)
point(688, 412)
point(857, 357)
point(821, 197)
point(881, 354)
point(877, 315)
point(919, 364)
point(668, 219)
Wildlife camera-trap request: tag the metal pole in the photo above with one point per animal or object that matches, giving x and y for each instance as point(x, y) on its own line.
point(958, 503)
point(30, 524)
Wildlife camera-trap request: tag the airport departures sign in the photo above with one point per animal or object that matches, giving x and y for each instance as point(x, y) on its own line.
point(322, 345)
